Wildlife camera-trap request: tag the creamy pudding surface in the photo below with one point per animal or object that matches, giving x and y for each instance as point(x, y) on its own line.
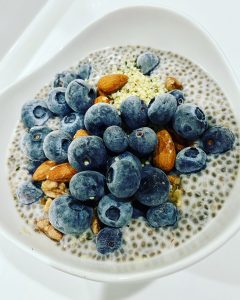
point(204, 193)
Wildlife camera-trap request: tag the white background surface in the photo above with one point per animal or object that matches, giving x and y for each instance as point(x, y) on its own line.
point(22, 276)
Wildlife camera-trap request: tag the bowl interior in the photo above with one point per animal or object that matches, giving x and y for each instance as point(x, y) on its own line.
point(158, 28)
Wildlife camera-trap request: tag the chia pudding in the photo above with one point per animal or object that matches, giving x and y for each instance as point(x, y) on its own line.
point(200, 196)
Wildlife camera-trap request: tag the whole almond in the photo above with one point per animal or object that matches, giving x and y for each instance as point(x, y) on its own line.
point(165, 153)
point(61, 173)
point(40, 173)
point(109, 84)
point(80, 132)
point(172, 83)
point(101, 99)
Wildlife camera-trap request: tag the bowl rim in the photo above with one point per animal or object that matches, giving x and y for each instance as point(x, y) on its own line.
point(176, 266)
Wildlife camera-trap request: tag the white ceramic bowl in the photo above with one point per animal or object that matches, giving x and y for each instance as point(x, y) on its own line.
point(150, 26)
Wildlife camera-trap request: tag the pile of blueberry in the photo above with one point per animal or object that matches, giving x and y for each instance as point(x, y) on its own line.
point(112, 181)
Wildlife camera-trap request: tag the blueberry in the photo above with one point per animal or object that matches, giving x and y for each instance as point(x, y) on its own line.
point(87, 153)
point(84, 71)
point(217, 140)
point(189, 121)
point(137, 213)
point(99, 117)
point(115, 139)
point(114, 212)
point(162, 108)
point(80, 95)
point(69, 216)
point(139, 210)
point(134, 112)
point(35, 113)
point(190, 160)
point(154, 187)
point(72, 123)
point(143, 141)
point(28, 193)
point(63, 79)
point(126, 156)
point(108, 240)
point(163, 215)
point(147, 62)
point(87, 185)
point(55, 146)
point(179, 96)
point(123, 178)
point(32, 142)
point(56, 102)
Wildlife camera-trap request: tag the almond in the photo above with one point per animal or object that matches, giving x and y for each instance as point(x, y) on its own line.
point(165, 153)
point(61, 173)
point(40, 173)
point(172, 83)
point(101, 99)
point(80, 132)
point(109, 84)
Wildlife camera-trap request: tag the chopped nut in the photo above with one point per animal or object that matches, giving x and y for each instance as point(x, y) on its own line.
point(47, 205)
point(95, 226)
point(179, 147)
point(174, 180)
point(176, 197)
point(54, 189)
point(41, 224)
point(53, 233)
point(45, 226)
point(102, 99)
point(80, 132)
point(172, 83)
point(43, 201)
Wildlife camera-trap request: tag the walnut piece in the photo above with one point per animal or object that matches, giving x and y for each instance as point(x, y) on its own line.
point(45, 226)
point(172, 83)
point(41, 224)
point(54, 189)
